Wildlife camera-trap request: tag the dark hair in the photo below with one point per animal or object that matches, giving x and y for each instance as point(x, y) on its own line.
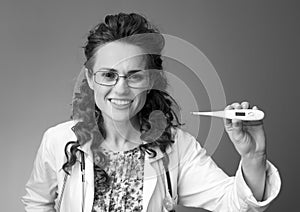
point(133, 29)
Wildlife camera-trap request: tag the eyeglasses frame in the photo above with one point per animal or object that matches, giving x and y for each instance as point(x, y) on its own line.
point(117, 80)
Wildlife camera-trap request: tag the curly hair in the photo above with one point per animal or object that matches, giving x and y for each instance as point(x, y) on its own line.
point(132, 29)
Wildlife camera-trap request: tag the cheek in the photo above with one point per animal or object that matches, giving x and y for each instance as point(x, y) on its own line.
point(141, 99)
point(99, 97)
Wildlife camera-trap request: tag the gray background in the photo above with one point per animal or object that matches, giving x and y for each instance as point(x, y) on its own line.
point(253, 45)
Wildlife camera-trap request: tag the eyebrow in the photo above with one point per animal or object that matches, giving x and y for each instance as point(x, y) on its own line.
point(114, 70)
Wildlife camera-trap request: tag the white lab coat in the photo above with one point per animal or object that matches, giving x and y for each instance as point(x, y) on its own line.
point(196, 179)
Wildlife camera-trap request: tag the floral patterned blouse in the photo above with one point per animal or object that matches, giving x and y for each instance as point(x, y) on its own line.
point(125, 193)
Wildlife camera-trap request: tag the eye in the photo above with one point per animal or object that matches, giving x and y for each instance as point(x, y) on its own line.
point(138, 76)
point(109, 75)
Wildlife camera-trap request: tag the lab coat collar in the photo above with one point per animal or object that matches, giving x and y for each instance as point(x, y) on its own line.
point(159, 154)
point(86, 148)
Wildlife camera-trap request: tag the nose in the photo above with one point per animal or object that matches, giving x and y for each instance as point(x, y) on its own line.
point(121, 87)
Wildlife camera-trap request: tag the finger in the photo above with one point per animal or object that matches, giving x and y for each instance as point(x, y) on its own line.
point(245, 105)
point(236, 105)
point(254, 108)
point(236, 124)
point(237, 129)
point(227, 122)
point(228, 107)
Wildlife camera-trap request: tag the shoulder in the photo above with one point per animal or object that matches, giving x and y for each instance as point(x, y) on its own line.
point(57, 136)
point(184, 142)
point(61, 129)
point(182, 137)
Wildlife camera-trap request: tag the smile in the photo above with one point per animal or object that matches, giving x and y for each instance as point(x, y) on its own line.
point(120, 102)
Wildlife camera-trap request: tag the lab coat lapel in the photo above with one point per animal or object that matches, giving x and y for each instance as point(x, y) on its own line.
point(150, 180)
point(150, 176)
point(89, 176)
point(89, 184)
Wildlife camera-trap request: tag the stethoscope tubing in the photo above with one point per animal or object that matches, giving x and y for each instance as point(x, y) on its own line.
point(82, 167)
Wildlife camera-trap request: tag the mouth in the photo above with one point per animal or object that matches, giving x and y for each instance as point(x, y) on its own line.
point(120, 102)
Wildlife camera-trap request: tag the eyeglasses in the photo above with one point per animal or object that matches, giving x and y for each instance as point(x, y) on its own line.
point(136, 79)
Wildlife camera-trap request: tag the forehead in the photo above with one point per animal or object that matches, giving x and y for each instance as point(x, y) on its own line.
point(120, 56)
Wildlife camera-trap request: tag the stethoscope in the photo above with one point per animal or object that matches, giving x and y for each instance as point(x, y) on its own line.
point(168, 202)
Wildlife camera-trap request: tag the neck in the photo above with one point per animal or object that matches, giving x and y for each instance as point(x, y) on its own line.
point(122, 135)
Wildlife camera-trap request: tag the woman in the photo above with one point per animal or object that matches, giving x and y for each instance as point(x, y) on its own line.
point(124, 150)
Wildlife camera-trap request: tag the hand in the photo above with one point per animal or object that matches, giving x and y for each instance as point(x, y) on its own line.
point(248, 137)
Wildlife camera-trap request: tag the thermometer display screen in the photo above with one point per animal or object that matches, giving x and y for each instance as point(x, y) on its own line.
point(240, 114)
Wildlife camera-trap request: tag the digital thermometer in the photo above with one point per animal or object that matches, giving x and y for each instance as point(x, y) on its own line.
point(241, 114)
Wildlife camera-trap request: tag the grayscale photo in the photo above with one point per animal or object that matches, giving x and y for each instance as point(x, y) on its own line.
point(148, 106)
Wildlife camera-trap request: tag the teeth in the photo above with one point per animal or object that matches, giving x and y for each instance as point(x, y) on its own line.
point(120, 102)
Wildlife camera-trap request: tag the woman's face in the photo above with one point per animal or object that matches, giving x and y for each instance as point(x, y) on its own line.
point(118, 102)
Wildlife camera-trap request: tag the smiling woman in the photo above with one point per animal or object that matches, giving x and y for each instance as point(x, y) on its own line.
point(124, 150)
point(118, 101)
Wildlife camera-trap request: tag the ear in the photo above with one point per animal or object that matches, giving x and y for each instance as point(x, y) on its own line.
point(89, 78)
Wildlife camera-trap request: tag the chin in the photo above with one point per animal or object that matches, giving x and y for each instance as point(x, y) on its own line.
point(121, 116)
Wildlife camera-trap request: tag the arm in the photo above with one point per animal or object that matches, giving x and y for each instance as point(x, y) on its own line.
point(42, 184)
point(201, 183)
point(250, 141)
point(254, 173)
